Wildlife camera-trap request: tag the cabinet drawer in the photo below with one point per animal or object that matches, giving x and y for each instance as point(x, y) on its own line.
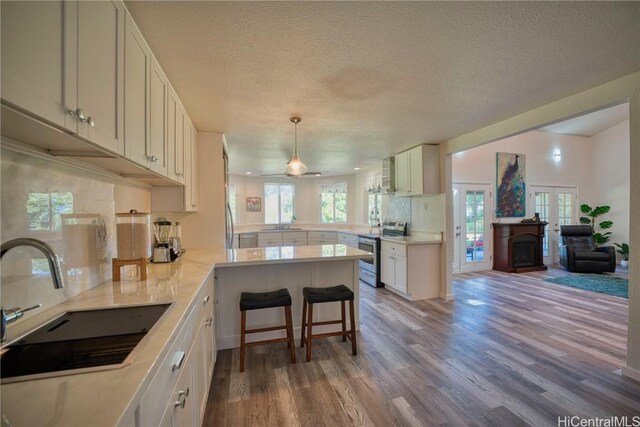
point(288, 236)
point(394, 248)
point(152, 405)
point(323, 235)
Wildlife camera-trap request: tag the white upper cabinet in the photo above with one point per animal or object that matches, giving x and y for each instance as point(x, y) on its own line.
point(32, 58)
point(137, 64)
point(62, 62)
point(418, 171)
point(158, 119)
point(175, 122)
point(192, 188)
point(100, 76)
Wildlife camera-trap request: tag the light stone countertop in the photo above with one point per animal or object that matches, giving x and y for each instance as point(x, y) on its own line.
point(102, 397)
point(416, 239)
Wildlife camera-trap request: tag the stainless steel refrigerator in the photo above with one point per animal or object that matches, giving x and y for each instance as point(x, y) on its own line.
point(228, 223)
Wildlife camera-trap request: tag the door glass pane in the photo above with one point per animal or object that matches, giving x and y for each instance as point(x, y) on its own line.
point(542, 207)
point(565, 210)
point(474, 239)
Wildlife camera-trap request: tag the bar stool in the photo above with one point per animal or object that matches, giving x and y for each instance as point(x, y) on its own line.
point(259, 300)
point(320, 295)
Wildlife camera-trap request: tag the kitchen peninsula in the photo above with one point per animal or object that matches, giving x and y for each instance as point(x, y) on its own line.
point(179, 351)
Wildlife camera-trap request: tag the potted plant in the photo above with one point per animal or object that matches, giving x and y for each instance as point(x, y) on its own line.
point(623, 250)
point(591, 214)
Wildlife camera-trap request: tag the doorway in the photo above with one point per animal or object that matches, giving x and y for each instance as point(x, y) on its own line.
point(557, 206)
point(472, 243)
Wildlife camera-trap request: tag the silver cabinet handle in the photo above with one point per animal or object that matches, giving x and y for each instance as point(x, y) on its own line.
point(78, 113)
point(177, 361)
point(182, 398)
point(208, 321)
point(152, 159)
point(205, 300)
point(89, 120)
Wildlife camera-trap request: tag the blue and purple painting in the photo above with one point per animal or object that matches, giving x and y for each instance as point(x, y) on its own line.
point(511, 196)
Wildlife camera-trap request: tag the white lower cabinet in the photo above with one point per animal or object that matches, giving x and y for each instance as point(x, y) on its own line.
point(348, 239)
point(393, 270)
point(413, 271)
point(177, 394)
point(269, 239)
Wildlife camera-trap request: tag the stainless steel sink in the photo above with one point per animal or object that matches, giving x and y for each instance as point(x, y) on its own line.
point(79, 341)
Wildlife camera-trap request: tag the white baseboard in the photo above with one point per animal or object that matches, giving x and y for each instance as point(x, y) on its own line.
point(233, 341)
point(632, 373)
point(447, 297)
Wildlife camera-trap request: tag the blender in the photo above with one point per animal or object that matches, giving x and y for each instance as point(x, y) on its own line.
point(164, 231)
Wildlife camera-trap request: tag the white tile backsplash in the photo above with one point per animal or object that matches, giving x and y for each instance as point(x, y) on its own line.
point(35, 192)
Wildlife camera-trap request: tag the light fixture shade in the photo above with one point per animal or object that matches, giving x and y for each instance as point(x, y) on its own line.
point(295, 167)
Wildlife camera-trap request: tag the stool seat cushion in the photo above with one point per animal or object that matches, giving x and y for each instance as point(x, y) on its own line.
point(258, 300)
point(330, 294)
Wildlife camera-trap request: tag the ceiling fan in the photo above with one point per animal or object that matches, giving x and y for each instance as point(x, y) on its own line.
point(295, 167)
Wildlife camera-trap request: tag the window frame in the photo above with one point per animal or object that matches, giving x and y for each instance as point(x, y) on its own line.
point(293, 201)
point(333, 201)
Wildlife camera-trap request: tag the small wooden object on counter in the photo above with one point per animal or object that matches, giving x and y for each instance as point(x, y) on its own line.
point(259, 300)
point(518, 247)
point(331, 294)
point(117, 264)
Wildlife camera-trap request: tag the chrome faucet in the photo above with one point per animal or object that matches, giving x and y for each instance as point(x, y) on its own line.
point(13, 314)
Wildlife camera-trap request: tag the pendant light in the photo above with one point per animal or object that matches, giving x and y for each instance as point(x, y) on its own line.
point(295, 167)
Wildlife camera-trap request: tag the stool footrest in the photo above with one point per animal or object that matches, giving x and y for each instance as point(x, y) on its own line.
point(327, 322)
point(270, 328)
point(332, 334)
point(272, 341)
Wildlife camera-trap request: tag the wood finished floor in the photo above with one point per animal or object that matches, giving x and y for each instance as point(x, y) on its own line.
point(511, 350)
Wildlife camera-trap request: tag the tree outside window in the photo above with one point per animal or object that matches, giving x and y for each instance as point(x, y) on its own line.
point(333, 202)
point(279, 203)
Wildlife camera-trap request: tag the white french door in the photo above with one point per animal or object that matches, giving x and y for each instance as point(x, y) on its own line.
point(472, 234)
point(557, 206)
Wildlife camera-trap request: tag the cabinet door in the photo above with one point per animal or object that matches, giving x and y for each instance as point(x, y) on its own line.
point(179, 147)
point(173, 160)
point(136, 95)
point(387, 270)
point(193, 179)
point(100, 72)
point(183, 399)
point(158, 116)
point(200, 380)
point(33, 70)
point(402, 173)
point(415, 171)
point(401, 273)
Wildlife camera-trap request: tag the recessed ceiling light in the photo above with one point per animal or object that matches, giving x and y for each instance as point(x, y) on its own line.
point(318, 174)
point(356, 169)
point(249, 173)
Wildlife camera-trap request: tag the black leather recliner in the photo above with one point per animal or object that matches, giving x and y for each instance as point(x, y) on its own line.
point(579, 253)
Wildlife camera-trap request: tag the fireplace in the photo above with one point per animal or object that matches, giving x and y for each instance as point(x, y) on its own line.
point(518, 247)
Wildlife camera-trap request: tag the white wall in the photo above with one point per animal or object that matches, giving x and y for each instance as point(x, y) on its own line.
point(478, 165)
point(86, 260)
point(609, 168)
point(307, 197)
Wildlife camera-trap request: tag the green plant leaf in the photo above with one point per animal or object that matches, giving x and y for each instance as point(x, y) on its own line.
point(584, 220)
point(584, 208)
point(606, 224)
point(600, 210)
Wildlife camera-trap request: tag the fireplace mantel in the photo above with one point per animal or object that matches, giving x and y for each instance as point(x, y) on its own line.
point(517, 247)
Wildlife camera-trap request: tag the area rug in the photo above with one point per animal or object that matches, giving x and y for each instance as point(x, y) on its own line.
point(612, 285)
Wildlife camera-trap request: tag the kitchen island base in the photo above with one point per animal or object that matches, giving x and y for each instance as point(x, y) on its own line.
point(231, 282)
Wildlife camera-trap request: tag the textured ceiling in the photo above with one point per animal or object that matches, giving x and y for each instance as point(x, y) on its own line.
point(370, 79)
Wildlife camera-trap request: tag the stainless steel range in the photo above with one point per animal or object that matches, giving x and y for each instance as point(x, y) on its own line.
point(370, 269)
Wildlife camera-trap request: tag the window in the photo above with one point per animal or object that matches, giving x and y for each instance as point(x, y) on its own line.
point(278, 203)
point(333, 202)
point(232, 201)
point(374, 207)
